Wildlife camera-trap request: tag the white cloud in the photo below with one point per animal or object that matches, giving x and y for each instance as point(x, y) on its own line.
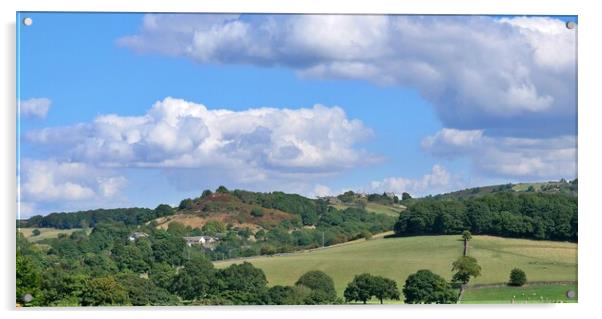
point(438, 180)
point(34, 107)
point(179, 134)
point(502, 75)
point(322, 190)
point(53, 181)
point(508, 157)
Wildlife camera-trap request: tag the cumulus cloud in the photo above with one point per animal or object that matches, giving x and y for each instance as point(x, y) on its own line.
point(506, 76)
point(179, 134)
point(438, 180)
point(34, 107)
point(51, 181)
point(506, 156)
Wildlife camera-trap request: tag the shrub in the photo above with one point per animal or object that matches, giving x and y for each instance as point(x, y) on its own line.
point(256, 212)
point(36, 232)
point(517, 277)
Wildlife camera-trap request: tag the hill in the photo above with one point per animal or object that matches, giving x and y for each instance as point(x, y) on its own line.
point(552, 187)
point(396, 258)
point(228, 209)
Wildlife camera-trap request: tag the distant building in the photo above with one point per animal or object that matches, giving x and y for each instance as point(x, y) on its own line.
point(205, 241)
point(137, 235)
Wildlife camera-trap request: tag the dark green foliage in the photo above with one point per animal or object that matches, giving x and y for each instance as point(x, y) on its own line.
point(347, 197)
point(427, 287)
point(104, 291)
point(35, 232)
point(143, 292)
point(186, 204)
point(168, 248)
point(28, 278)
point(365, 286)
point(465, 267)
point(242, 278)
point(222, 190)
point(195, 279)
point(90, 218)
point(405, 196)
point(287, 295)
point(524, 215)
point(321, 286)
point(257, 212)
point(517, 277)
point(162, 275)
point(61, 286)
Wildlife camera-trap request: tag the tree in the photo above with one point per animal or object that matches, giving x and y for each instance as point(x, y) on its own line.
point(405, 196)
point(206, 193)
point(517, 277)
point(104, 291)
point(360, 289)
point(186, 204)
point(242, 278)
point(222, 190)
point(35, 232)
point(28, 278)
point(426, 287)
point(162, 275)
point(466, 236)
point(321, 285)
point(195, 280)
point(465, 267)
point(365, 286)
point(256, 212)
point(384, 288)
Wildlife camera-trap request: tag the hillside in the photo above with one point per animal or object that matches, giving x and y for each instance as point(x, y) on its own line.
point(552, 187)
point(396, 258)
point(228, 209)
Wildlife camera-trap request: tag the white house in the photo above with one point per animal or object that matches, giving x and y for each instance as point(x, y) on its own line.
point(204, 241)
point(137, 235)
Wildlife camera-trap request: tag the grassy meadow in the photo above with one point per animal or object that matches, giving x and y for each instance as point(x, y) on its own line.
point(397, 258)
point(528, 294)
point(45, 233)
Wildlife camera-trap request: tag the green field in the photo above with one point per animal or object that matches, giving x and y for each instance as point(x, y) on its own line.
point(528, 294)
point(397, 258)
point(45, 233)
point(374, 208)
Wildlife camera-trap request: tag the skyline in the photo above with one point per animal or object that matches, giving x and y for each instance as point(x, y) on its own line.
point(156, 108)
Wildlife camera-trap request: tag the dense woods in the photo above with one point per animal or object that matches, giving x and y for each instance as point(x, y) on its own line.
point(523, 215)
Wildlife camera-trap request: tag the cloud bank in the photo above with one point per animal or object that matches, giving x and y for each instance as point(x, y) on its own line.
point(179, 134)
point(509, 77)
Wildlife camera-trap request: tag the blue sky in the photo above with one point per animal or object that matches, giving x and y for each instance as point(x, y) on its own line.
point(417, 104)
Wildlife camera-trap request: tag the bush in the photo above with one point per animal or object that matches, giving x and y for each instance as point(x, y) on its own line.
point(517, 277)
point(256, 212)
point(36, 232)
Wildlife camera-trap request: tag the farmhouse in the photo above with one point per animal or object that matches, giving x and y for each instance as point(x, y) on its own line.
point(205, 241)
point(137, 235)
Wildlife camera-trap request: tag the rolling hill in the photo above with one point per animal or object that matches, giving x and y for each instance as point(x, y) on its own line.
point(396, 258)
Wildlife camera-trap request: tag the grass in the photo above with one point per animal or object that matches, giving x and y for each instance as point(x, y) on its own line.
point(45, 233)
point(396, 258)
point(374, 208)
point(527, 294)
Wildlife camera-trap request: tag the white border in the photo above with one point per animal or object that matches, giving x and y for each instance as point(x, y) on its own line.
point(589, 150)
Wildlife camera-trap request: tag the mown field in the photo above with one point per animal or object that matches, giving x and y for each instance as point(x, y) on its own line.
point(397, 258)
point(536, 293)
point(375, 208)
point(45, 233)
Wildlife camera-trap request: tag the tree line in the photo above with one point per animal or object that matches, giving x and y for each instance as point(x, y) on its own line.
point(522, 215)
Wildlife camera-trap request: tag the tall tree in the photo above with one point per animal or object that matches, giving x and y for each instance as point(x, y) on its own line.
point(466, 236)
